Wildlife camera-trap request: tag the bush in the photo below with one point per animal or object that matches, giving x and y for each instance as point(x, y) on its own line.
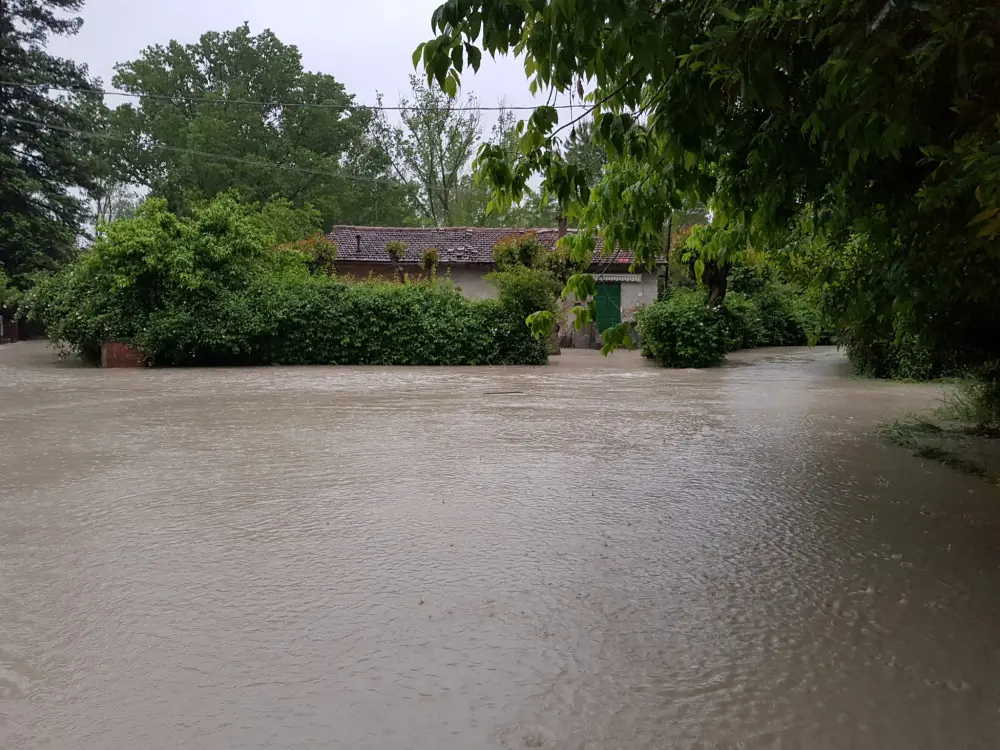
point(526, 290)
point(317, 322)
point(681, 331)
point(879, 352)
point(809, 318)
point(518, 250)
point(777, 311)
point(977, 400)
point(429, 260)
point(319, 251)
point(209, 290)
point(10, 296)
point(744, 327)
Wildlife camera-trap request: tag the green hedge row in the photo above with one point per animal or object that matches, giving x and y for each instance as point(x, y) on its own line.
point(317, 321)
point(682, 331)
point(211, 289)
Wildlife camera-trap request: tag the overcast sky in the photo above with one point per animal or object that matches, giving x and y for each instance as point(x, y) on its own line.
point(365, 44)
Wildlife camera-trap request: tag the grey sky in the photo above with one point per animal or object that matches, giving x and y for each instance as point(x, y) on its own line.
point(365, 44)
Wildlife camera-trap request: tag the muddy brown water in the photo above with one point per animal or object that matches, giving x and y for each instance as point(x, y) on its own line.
point(591, 555)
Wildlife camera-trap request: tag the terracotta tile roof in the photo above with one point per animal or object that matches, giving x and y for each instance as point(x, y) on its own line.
point(454, 244)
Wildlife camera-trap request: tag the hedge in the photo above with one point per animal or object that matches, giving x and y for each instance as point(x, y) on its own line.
point(682, 331)
point(210, 289)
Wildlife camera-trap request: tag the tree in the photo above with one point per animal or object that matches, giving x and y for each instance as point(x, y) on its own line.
point(433, 148)
point(879, 117)
point(534, 210)
point(43, 159)
point(114, 200)
point(232, 106)
point(583, 150)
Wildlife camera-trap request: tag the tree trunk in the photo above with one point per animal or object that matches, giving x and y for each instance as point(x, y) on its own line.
point(716, 278)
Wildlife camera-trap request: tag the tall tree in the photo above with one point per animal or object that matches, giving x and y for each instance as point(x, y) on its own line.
point(472, 204)
point(43, 159)
point(879, 117)
point(220, 114)
point(583, 149)
point(432, 148)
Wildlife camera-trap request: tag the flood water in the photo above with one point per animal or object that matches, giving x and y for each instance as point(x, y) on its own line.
point(597, 554)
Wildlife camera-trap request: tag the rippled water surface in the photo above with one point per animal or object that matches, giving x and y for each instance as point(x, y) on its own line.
point(597, 554)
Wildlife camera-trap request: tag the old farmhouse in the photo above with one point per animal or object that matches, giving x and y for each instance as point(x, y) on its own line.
point(466, 254)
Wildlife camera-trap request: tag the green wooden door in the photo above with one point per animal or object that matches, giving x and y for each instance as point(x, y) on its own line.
point(609, 305)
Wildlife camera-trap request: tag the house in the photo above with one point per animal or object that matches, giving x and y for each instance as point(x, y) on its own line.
point(466, 255)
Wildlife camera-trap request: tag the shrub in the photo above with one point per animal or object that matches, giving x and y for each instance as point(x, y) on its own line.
point(318, 322)
point(977, 400)
point(526, 290)
point(682, 331)
point(518, 250)
point(781, 328)
point(319, 252)
point(559, 263)
point(878, 352)
point(67, 305)
point(281, 219)
point(208, 290)
point(10, 296)
point(429, 260)
point(810, 319)
point(744, 327)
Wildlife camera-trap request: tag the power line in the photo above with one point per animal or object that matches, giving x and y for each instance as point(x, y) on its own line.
point(303, 105)
point(193, 152)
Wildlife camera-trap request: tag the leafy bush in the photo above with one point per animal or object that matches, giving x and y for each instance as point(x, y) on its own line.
point(281, 219)
point(744, 327)
point(977, 400)
point(682, 331)
point(429, 260)
point(877, 352)
point(10, 296)
point(210, 290)
point(313, 321)
point(319, 251)
point(396, 250)
point(518, 250)
point(750, 278)
point(777, 311)
point(526, 290)
point(559, 263)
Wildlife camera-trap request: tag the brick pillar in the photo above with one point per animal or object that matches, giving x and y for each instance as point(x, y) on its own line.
point(118, 354)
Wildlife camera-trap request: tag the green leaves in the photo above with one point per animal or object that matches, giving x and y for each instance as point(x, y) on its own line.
point(682, 331)
point(884, 125)
point(990, 218)
point(580, 286)
point(311, 127)
point(617, 337)
point(541, 323)
point(475, 56)
point(208, 290)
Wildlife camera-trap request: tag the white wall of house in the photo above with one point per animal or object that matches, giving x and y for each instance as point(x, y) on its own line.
point(638, 290)
point(472, 281)
point(636, 294)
